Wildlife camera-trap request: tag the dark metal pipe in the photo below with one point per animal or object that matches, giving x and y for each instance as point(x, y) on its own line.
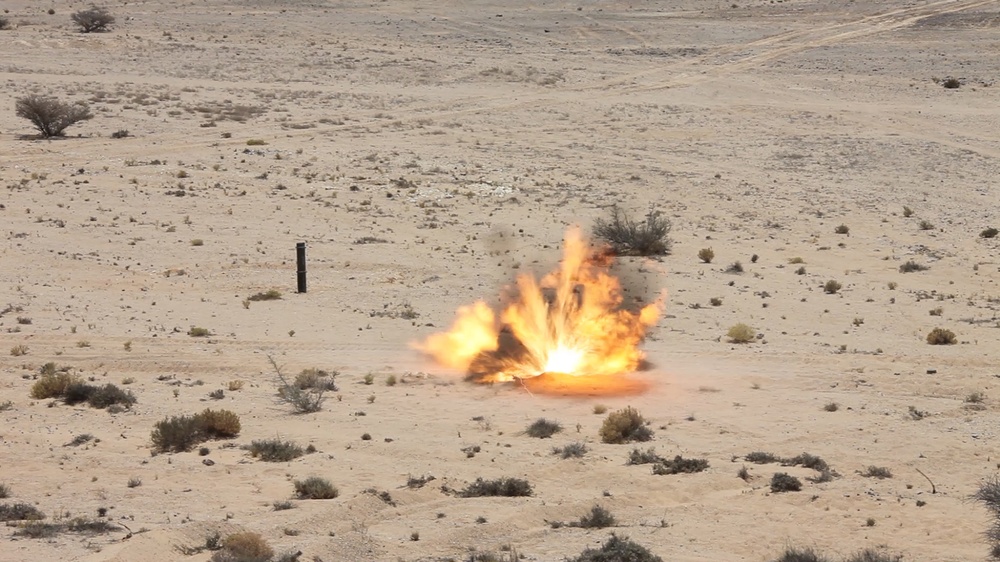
point(300, 259)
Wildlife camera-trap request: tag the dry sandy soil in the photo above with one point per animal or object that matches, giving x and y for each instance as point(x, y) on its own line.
point(466, 137)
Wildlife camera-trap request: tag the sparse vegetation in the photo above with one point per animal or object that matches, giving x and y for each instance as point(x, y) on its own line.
point(52, 384)
point(20, 511)
point(951, 83)
point(315, 488)
point(543, 428)
point(735, 267)
point(831, 407)
point(925, 224)
point(801, 555)
point(629, 238)
point(741, 333)
point(181, 433)
point(988, 495)
point(196, 332)
point(679, 465)
point(572, 450)
point(50, 116)
point(506, 486)
point(4, 491)
point(638, 456)
point(941, 336)
point(783, 482)
point(245, 546)
point(989, 233)
point(617, 549)
point(307, 393)
point(842, 229)
point(879, 472)
point(82, 525)
point(275, 450)
point(19, 350)
point(98, 396)
point(93, 20)
point(600, 409)
point(596, 518)
point(706, 255)
point(761, 457)
point(975, 398)
point(625, 426)
point(911, 266)
point(269, 295)
point(831, 287)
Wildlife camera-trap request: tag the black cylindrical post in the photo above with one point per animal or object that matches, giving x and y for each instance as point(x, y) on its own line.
point(300, 259)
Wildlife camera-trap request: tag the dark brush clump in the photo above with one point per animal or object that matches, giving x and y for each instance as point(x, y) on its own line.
point(543, 428)
point(506, 486)
point(782, 482)
point(679, 465)
point(617, 549)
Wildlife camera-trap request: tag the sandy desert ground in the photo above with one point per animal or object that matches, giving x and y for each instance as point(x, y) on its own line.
point(462, 139)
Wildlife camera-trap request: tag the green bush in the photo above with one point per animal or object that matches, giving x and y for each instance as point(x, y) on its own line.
point(625, 426)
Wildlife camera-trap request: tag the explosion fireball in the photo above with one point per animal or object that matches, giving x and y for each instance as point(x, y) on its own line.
point(567, 333)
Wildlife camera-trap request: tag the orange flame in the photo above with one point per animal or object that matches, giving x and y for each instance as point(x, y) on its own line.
point(566, 333)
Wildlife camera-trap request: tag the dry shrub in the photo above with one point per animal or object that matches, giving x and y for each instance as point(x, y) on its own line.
point(93, 20)
point(181, 433)
point(706, 255)
point(940, 336)
point(244, 547)
point(219, 423)
point(629, 238)
point(679, 465)
point(625, 426)
point(50, 116)
point(543, 428)
point(506, 486)
point(20, 512)
point(617, 549)
point(275, 450)
point(783, 482)
point(53, 385)
point(315, 488)
point(741, 333)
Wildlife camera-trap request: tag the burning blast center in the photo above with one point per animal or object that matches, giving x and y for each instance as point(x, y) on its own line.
point(567, 333)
